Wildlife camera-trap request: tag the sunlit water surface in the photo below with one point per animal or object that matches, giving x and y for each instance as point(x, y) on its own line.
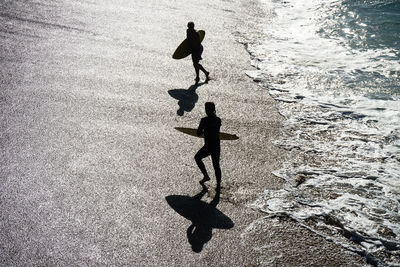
point(334, 68)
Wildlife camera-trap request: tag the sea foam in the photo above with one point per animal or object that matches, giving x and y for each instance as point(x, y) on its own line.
point(339, 91)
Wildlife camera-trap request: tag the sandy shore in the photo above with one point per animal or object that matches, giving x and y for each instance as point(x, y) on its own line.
point(89, 101)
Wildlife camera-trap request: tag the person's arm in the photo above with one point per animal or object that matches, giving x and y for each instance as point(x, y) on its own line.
point(200, 129)
point(218, 125)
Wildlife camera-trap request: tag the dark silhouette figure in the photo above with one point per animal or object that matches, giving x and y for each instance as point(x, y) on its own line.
point(204, 218)
point(196, 48)
point(210, 126)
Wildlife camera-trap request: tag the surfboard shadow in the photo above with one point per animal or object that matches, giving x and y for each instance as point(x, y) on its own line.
point(187, 98)
point(204, 218)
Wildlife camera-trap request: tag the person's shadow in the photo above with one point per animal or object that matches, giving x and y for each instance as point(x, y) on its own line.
point(204, 217)
point(187, 99)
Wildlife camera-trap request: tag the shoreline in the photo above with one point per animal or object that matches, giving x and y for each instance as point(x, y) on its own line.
point(340, 255)
point(306, 204)
point(92, 153)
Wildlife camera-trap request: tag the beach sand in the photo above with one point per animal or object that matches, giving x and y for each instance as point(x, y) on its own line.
point(90, 97)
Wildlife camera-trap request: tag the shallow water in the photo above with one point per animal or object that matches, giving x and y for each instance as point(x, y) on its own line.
point(334, 68)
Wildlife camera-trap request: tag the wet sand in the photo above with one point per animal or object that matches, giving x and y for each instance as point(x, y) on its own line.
point(90, 97)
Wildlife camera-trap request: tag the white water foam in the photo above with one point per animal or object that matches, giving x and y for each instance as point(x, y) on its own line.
point(342, 110)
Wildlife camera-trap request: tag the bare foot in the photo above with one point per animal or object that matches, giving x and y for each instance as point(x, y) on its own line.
point(207, 77)
point(205, 179)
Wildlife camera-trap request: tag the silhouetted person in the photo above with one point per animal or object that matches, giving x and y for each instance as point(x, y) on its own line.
point(210, 126)
point(196, 48)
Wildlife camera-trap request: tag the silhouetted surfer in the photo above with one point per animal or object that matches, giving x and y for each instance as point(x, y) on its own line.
point(209, 126)
point(193, 38)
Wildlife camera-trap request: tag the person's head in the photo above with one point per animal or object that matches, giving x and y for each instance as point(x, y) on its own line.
point(190, 25)
point(210, 109)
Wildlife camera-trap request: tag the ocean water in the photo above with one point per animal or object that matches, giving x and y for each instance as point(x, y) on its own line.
point(334, 68)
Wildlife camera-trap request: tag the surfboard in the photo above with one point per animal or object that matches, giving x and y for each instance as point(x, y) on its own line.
point(183, 49)
point(193, 132)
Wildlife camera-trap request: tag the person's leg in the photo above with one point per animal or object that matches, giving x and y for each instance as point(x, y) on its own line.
point(215, 160)
point(200, 66)
point(196, 66)
point(204, 70)
point(202, 153)
point(195, 59)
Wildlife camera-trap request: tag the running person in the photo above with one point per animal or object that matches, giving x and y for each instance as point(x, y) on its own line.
point(210, 126)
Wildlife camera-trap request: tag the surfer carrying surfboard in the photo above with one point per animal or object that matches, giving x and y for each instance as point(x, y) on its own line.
point(196, 48)
point(210, 126)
